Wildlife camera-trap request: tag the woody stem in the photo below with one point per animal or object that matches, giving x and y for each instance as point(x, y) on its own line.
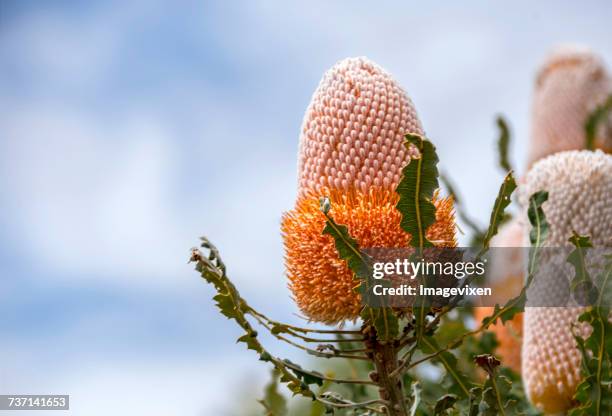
point(390, 384)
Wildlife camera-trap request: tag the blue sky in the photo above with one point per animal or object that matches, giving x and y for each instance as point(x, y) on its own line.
point(128, 130)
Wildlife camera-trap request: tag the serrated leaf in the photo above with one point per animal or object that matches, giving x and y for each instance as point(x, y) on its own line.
point(496, 398)
point(474, 400)
point(537, 237)
point(251, 342)
point(348, 248)
point(416, 189)
point(577, 258)
point(383, 319)
point(460, 383)
point(498, 213)
point(445, 403)
point(233, 306)
point(308, 377)
point(226, 305)
point(599, 115)
point(537, 219)
point(503, 143)
point(594, 393)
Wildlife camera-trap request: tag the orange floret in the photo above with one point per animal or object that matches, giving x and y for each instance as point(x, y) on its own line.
point(321, 282)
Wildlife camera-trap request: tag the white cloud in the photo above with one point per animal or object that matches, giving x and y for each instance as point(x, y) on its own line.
point(152, 387)
point(91, 198)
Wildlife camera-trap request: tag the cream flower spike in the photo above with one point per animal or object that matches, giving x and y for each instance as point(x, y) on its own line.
point(353, 130)
point(570, 84)
point(580, 198)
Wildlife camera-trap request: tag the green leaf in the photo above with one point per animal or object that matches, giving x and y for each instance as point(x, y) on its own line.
point(598, 116)
point(383, 319)
point(274, 402)
point(308, 377)
point(251, 342)
point(347, 247)
point(496, 398)
point(581, 284)
point(594, 393)
point(226, 305)
point(445, 403)
point(503, 143)
point(416, 188)
point(537, 219)
point(459, 383)
point(474, 400)
point(537, 236)
point(498, 213)
point(233, 306)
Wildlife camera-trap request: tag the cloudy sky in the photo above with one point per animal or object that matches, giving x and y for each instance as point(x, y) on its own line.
point(128, 129)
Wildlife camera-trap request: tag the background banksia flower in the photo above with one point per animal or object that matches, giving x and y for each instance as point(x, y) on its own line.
point(580, 199)
point(571, 83)
point(352, 150)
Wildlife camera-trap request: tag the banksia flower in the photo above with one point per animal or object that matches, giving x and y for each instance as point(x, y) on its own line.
point(571, 83)
point(506, 276)
point(580, 199)
point(351, 150)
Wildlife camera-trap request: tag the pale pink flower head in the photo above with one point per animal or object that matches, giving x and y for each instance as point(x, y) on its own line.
point(353, 132)
point(570, 84)
point(579, 184)
point(351, 150)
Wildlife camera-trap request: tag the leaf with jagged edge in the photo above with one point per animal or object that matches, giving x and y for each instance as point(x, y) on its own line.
point(231, 305)
point(582, 280)
point(498, 213)
point(594, 393)
point(474, 400)
point(416, 189)
point(383, 319)
point(459, 382)
point(539, 225)
point(496, 396)
point(445, 403)
point(273, 402)
point(537, 236)
point(592, 122)
point(308, 377)
point(251, 342)
point(503, 143)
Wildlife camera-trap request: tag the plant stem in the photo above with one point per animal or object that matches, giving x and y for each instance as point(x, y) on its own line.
point(332, 379)
point(390, 383)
